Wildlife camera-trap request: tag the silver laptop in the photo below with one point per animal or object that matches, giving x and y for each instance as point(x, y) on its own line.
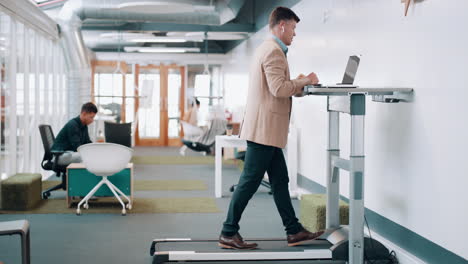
point(348, 78)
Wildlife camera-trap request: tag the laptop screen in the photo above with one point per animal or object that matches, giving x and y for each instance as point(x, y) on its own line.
point(351, 69)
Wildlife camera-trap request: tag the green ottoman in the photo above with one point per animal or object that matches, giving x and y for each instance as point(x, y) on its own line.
point(21, 191)
point(313, 211)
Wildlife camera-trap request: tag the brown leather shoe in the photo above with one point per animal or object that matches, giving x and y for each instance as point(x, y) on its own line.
point(302, 236)
point(235, 242)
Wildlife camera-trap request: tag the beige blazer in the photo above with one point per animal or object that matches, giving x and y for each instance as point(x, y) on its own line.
point(266, 118)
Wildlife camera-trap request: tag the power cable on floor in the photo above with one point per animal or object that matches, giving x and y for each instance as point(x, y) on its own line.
point(391, 258)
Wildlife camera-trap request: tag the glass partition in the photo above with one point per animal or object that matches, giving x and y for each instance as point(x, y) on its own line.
point(33, 91)
point(149, 117)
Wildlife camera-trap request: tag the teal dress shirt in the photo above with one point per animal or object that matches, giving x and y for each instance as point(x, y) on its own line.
point(282, 45)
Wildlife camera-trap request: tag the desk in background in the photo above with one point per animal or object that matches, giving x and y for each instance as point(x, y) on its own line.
point(235, 127)
point(80, 182)
point(235, 142)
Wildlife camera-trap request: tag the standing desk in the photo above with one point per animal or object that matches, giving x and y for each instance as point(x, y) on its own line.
point(339, 243)
point(224, 141)
point(353, 102)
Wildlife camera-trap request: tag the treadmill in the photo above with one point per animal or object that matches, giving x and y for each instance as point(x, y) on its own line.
point(339, 243)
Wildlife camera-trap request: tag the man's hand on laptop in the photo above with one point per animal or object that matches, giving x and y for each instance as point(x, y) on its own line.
point(313, 78)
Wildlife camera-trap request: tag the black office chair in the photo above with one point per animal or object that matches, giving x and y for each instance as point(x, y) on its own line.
point(118, 133)
point(206, 141)
point(50, 159)
point(241, 156)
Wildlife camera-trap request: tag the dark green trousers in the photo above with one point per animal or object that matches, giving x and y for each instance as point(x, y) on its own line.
point(258, 159)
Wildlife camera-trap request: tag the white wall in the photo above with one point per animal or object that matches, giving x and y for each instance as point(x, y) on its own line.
point(414, 152)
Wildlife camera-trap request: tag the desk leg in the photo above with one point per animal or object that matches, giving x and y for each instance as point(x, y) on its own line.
point(218, 169)
point(333, 179)
point(356, 191)
point(291, 153)
point(69, 202)
point(25, 247)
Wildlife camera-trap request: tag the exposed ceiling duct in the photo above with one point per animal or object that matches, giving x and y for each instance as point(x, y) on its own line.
point(74, 12)
point(200, 12)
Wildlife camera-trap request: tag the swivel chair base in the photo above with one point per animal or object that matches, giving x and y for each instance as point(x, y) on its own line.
point(114, 190)
point(62, 185)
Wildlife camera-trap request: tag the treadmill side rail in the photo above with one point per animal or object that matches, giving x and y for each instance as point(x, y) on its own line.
point(241, 256)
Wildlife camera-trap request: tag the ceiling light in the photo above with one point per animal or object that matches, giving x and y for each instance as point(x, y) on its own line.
point(217, 35)
point(161, 50)
point(124, 35)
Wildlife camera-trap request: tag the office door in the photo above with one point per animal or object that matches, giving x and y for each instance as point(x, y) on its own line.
point(160, 93)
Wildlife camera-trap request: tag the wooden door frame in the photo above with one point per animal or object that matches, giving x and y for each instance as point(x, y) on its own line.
point(149, 141)
point(164, 139)
point(177, 141)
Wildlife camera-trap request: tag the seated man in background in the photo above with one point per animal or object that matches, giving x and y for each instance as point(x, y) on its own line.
point(74, 134)
point(191, 116)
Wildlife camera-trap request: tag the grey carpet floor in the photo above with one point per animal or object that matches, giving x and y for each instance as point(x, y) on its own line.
point(108, 238)
point(163, 151)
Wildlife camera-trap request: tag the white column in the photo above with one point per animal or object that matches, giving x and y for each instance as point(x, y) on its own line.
point(26, 122)
point(46, 63)
point(11, 103)
point(62, 88)
point(55, 97)
point(37, 112)
point(218, 167)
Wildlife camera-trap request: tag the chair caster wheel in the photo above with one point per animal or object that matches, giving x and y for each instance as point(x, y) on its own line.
point(86, 206)
point(124, 212)
point(129, 206)
point(231, 189)
point(78, 212)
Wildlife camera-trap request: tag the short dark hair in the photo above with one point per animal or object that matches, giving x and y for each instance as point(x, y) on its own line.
point(196, 101)
point(89, 108)
point(282, 13)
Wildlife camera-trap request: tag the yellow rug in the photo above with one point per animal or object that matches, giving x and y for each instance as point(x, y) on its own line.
point(176, 160)
point(154, 185)
point(140, 206)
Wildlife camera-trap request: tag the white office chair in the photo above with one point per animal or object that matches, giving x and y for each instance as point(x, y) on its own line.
point(105, 159)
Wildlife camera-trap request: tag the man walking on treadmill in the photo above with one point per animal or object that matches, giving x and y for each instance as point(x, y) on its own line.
point(265, 127)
